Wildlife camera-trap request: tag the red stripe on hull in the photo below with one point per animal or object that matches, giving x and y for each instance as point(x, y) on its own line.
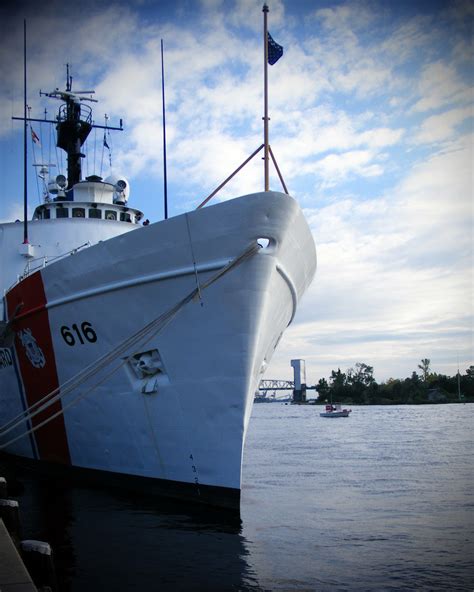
point(34, 349)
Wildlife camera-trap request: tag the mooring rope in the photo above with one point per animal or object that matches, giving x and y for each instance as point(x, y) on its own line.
point(146, 334)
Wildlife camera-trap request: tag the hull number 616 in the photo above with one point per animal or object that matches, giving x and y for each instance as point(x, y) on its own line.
point(78, 333)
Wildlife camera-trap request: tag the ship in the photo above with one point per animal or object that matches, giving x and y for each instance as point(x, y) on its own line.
point(130, 351)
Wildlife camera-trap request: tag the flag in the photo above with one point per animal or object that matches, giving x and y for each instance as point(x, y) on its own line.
point(275, 51)
point(105, 142)
point(34, 137)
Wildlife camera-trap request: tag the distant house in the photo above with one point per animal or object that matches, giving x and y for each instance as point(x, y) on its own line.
point(435, 395)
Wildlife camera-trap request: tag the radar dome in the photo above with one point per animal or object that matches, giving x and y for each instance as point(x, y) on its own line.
point(121, 188)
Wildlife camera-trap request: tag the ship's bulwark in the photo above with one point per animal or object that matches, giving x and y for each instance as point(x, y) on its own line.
point(175, 415)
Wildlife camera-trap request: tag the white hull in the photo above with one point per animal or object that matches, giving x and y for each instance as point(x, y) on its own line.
point(185, 424)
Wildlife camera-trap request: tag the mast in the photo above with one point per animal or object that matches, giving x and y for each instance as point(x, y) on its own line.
point(165, 180)
point(25, 146)
point(74, 126)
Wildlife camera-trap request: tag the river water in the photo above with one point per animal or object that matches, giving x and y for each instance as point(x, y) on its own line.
point(382, 500)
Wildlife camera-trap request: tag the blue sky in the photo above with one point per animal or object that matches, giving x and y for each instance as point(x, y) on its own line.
point(371, 123)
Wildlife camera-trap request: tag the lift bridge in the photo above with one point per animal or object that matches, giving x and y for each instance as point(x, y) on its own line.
point(298, 386)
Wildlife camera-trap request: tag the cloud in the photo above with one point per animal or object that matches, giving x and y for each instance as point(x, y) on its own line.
point(244, 13)
point(440, 86)
point(408, 37)
point(12, 213)
point(336, 167)
point(331, 146)
point(439, 128)
point(395, 277)
point(354, 16)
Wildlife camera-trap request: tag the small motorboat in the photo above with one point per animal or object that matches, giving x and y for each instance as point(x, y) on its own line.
point(335, 410)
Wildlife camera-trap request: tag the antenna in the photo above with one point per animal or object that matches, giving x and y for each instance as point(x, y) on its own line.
point(25, 149)
point(165, 180)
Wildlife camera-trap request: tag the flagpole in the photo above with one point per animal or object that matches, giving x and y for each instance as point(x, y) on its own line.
point(265, 98)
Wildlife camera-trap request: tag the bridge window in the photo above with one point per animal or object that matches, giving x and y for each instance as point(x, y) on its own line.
point(45, 214)
point(124, 217)
point(78, 212)
point(95, 213)
point(62, 212)
point(110, 215)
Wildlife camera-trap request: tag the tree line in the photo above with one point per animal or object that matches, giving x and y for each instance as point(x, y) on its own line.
point(358, 386)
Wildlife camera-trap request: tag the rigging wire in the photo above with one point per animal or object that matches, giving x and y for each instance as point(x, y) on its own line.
point(33, 151)
point(58, 160)
point(104, 146)
point(49, 138)
point(109, 147)
point(102, 157)
point(85, 150)
point(41, 143)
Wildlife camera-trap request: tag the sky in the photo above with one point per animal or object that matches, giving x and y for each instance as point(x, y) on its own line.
point(371, 125)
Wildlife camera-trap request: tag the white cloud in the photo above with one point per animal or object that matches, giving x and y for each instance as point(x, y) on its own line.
point(354, 16)
point(440, 86)
point(408, 38)
point(395, 277)
point(439, 128)
point(336, 167)
point(248, 13)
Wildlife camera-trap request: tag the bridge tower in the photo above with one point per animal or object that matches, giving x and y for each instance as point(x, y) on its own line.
point(299, 372)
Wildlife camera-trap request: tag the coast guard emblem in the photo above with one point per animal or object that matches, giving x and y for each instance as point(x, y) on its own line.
point(32, 349)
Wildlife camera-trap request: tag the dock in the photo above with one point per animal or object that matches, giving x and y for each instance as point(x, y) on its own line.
point(13, 574)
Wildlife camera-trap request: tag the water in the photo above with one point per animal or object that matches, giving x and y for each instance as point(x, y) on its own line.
point(379, 501)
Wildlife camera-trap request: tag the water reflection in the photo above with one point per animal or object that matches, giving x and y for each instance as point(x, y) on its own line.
point(112, 540)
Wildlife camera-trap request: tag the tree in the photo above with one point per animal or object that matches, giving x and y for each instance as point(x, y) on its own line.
point(392, 391)
point(338, 384)
point(360, 383)
point(425, 368)
point(467, 384)
point(414, 389)
point(323, 390)
point(363, 375)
